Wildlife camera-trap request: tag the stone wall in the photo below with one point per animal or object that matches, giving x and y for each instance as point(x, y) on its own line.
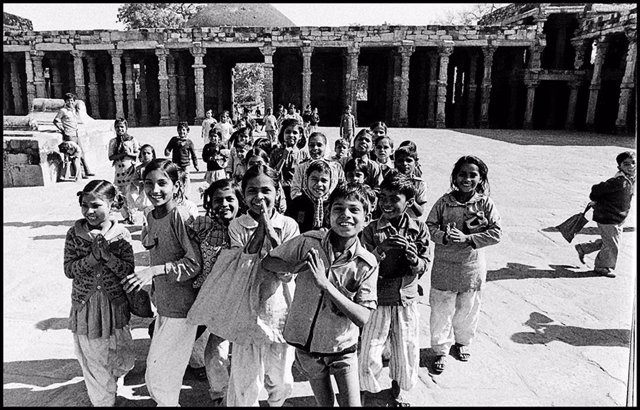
point(257, 36)
point(595, 24)
point(13, 22)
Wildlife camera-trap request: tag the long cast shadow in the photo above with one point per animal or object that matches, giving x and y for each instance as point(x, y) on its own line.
point(589, 230)
point(521, 271)
point(39, 224)
point(545, 332)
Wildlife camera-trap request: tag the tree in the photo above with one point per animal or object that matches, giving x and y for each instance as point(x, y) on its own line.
point(468, 16)
point(155, 15)
point(248, 84)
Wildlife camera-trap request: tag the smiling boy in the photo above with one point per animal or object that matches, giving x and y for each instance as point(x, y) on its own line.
point(401, 245)
point(335, 295)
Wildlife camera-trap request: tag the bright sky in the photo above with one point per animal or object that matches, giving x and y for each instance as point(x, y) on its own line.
point(88, 16)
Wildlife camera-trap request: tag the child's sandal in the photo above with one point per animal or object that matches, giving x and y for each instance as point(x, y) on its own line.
point(461, 352)
point(439, 363)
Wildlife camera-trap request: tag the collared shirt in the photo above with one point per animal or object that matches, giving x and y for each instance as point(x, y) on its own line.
point(398, 281)
point(461, 267)
point(314, 322)
point(69, 120)
point(300, 176)
point(241, 229)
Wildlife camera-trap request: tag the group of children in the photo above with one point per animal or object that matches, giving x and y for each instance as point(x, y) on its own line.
point(338, 243)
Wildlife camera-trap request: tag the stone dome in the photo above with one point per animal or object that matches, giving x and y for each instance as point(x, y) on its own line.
point(239, 15)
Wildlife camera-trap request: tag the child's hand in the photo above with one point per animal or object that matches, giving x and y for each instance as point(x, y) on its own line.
point(316, 265)
point(457, 236)
point(139, 280)
point(105, 254)
point(95, 247)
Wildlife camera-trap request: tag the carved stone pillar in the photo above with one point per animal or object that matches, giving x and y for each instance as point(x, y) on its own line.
point(580, 48)
point(128, 81)
point(627, 84)
point(574, 87)
point(78, 74)
point(56, 80)
point(144, 103)
point(404, 53)
point(307, 51)
point(596, 80)
point(93, 87)
point(444, 51)
point(267, 51)
point(108, 94)
point(71, 86)
point(15, 84)
point(531, 97)
point(116, 61)
point(163, 84)
point(457, 112)
point(182, 88)
point(31, 87)
point(38, 71)
point(351, 80)
point(173, 87)
point(198, 71)
point(471, 91)
point(486, 85)
point(433, 89)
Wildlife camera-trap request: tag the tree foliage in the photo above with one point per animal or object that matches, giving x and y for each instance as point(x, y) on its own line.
point(468, 16)
point(248, 84)
point(156, 15)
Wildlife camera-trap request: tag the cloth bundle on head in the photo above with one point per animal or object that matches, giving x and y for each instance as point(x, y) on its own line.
point(318, 202)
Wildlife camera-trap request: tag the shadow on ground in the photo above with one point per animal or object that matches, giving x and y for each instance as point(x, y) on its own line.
point(521, 271)
point(553, 137)
point(545, 332)
point(39, 224)
point(590, 230)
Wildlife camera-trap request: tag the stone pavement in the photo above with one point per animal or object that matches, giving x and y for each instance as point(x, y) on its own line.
point(550, 333)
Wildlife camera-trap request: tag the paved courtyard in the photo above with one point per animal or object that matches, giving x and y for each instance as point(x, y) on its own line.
point(551, 333)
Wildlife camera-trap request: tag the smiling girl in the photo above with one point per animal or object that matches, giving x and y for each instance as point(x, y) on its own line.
point(317, 149)
point(289, 155)
point(461, 223)
point(97, 255)
point(175, 262)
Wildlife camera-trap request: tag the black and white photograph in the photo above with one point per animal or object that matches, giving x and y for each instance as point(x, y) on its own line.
point(319, 204)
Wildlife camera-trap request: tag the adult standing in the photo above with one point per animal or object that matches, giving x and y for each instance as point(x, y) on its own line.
point(67, 122)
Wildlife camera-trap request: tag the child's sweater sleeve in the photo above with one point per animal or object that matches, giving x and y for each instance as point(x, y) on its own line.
point(298, 179)
point(190, 264)
point(76, 263)
point(605, 188)
point(424, 251)
point(493, 233)
point(434, 221)
point(122, 261)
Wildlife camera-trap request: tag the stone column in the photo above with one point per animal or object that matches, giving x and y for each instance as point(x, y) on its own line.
point(307, 51)
point(15, 84)
point(144, 104)
point(532, 81)
point(351, 80)
point(596, 80)
point(78, 74)
point(38, 71)
point(627, 84)
point(486, 85)
point(580, 48)
point(457, 112)
point(56, 80)
point(267, 51)
point(71, 86)
point(31, 87)
point(116, 60)
point(574, 86)
point(471, 91)
point(173, 87)
point(444, 51)
point(198, 71)
point(182, 89)
point(405, 51)
point(93, 87)
point(433, 89)
point(108, 94)
point(163, 84)
point(531, 96)
point(128, 81)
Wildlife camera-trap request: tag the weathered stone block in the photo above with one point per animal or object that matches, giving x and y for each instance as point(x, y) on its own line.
point(16, 159)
